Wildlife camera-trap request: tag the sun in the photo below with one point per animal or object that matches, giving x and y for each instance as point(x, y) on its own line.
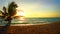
point(20, 15)
point(19, 12)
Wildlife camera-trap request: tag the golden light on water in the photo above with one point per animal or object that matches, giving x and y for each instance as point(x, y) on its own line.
point(20, 15)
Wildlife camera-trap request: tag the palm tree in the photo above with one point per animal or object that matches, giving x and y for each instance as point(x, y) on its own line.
point(12, 8)
point(11, 12)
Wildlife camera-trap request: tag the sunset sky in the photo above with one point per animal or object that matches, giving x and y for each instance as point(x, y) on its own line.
point(36, 8)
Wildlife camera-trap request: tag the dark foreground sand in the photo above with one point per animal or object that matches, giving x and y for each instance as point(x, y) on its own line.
point(53, 28)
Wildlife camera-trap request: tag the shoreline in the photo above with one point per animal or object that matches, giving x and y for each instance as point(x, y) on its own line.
point(22, 24)
point(53, 28)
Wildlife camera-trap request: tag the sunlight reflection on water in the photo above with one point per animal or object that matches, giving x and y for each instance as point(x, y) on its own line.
point(30, 21)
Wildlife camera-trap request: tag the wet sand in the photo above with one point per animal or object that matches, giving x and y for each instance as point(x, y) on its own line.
point(53, 28)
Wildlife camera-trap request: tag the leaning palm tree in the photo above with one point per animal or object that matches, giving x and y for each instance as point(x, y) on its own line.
point(11, 12)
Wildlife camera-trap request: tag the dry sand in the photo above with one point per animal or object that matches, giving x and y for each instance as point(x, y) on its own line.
point(53, 28)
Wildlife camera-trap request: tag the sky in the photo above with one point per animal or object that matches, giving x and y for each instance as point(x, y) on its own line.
point(36, 8)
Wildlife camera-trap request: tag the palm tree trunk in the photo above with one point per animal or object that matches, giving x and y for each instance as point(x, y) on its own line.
point(4, 29)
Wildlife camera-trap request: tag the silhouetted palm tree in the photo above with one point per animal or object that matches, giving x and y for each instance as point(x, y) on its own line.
point(12, 9)
point(11, 12)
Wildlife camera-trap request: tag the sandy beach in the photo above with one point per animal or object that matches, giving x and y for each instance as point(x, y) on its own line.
point(53, 28)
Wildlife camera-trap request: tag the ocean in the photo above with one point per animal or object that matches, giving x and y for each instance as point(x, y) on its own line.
point(30, 21)
point(42, 20)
